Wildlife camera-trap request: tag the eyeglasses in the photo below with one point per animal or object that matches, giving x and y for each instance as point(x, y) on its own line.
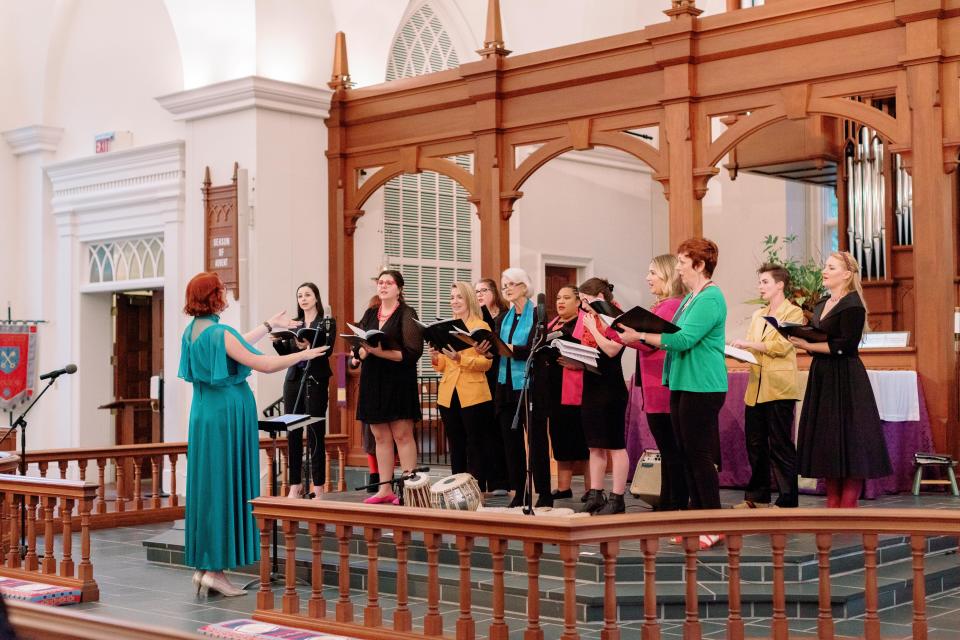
point(479, 291)
point(509, 285)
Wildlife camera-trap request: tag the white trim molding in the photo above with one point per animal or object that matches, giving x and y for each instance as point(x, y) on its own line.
point(36, 137)
point(252, 92)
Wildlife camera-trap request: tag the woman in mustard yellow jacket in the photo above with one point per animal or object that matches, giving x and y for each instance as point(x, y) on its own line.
point(463, 394)
point(772, 394)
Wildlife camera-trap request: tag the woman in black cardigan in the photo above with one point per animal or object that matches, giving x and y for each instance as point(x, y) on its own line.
point(313, 400)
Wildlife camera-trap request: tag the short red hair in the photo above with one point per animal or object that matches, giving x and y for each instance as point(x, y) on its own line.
point(701, 251)
point(205, 295)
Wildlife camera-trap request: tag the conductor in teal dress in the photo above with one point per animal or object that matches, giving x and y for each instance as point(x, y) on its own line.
point(223, 453)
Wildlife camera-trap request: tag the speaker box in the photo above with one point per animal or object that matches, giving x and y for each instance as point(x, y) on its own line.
point(646, 478)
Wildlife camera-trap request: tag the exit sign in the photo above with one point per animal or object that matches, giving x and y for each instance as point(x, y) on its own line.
point(112, 140)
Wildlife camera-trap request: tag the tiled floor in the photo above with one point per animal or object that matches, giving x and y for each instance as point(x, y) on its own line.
point(133, 589)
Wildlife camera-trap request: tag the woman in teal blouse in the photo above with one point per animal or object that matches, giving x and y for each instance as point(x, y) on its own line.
point(222, 449)
point(695, 370)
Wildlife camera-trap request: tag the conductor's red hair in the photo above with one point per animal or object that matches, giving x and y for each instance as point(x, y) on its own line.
point(205, 295)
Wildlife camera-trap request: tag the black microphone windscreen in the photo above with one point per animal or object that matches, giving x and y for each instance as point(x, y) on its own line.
point(70, 368)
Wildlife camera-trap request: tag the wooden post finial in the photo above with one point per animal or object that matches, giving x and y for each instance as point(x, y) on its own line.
point(206, 177)
point(341, 69)
point(493, 41)
point(683, 7)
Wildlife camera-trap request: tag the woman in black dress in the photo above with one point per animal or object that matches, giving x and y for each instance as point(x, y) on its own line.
point(840, 436)
point(604, 406)
point(388, 398)
point(313, 400)
point(565, 393)
point(491, 307)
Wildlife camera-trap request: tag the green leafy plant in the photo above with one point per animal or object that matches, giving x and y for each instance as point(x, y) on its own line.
point(806, 281)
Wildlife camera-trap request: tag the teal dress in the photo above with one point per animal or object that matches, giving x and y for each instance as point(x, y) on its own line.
point(222, 451)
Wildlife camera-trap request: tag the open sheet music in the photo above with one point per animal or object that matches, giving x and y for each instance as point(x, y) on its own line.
point(637, 318)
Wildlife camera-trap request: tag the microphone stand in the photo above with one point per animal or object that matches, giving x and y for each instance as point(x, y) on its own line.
point(21, 422)
point(527, 405)
point(303, 386)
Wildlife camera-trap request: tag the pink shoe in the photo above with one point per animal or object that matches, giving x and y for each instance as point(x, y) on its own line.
point(387, 499)
point(396, 501)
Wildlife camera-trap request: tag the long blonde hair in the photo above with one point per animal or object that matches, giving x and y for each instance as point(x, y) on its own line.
point(665, 266)
point(856, 283)
point(473, 307)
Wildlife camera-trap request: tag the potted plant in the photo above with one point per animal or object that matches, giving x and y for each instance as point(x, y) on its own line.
point(806, 281)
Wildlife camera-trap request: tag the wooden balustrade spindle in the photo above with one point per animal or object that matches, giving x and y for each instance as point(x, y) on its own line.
point(341, 478)
point(85, 570)
point(43, 466)
point(30, 560)
point(121, 483)
point(328, 484)
point(13, 556)
point(290, 600)
point(137, 484)
point(4, 527)
point(651, 628)
point(735, 629)
point(433, 623)
point(778, 543)
point(918, 545)
point(691, 622)
point(344, 608)
point(47, 505)
point(317, 605)
point(101, 485)
point(568, 555)
point(532, 551)
point(64, 465)
point(825, 601)
point(372, 613)
point(284, 478)
point(155, 481)
point(82, 463)
point(402, 618)
point(609, 551)
point(173, 500)
point(871, 596)
point(466, 627)
point(498, 628)
point(265, 594)
point(271, 464)
point(66, 560)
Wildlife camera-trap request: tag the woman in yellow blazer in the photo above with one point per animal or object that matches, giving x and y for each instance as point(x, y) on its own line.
point(772, 394)
point(464, 395)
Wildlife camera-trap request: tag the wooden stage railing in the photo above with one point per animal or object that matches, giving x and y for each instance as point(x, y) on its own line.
point(130, 504)
point(569, 534)
point(36, 622)
point(51, 507)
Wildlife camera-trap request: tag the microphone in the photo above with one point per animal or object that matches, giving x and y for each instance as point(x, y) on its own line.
point(53, 375)
point(553, 335)
point(542, 312)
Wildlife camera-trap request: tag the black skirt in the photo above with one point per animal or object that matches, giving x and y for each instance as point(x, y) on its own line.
point(605, 405)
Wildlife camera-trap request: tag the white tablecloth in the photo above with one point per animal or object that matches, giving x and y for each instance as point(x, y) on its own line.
point(895, 391)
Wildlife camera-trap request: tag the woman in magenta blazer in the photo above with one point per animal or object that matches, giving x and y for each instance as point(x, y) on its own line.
point(665, 284)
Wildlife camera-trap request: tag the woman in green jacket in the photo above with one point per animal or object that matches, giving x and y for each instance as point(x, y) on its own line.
point(695, 371)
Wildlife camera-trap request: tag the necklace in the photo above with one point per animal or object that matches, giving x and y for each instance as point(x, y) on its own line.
point(384, 317)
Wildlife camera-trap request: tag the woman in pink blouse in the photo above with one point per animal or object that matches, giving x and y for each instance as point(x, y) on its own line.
point(665, 284)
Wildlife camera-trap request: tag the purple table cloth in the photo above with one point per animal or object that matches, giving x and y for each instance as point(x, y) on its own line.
point(903, 440)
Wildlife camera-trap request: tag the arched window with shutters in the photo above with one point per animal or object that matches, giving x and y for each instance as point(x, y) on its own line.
point(427, 218)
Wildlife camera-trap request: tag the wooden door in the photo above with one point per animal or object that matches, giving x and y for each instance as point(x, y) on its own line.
point(156, 356)
point(555, 278)
point(133, 361)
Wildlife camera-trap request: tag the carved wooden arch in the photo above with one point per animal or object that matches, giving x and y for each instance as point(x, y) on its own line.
point(651, 156)
point(886, 125)
point(438, 165)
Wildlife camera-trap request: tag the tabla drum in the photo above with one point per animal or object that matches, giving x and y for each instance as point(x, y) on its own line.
point(459, 492)
point(416, 491)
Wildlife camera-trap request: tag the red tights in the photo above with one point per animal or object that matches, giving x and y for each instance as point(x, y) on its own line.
point(843, 492)
point(372, 463)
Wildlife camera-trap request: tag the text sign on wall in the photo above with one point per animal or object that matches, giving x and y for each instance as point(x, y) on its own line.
point(221, 231)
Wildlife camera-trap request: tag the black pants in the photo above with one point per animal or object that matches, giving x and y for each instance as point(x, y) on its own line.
point(313, 402)
point(466, 429)
point(768, 427)
point(493, 451)
point(673, 480)
point(516, 453)
point(696, 424)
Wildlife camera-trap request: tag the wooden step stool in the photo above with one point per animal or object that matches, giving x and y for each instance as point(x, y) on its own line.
point(948, 463)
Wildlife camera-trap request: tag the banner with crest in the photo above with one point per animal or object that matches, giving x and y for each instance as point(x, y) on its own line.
point(18, 364)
